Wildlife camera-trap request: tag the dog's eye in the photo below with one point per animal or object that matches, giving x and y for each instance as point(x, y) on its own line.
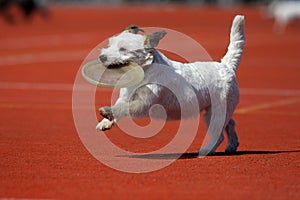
point(122, 49)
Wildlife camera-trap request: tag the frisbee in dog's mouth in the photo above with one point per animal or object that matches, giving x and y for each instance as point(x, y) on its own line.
point(114, 76)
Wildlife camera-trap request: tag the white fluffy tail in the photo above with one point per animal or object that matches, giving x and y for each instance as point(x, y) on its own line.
point(237, 40)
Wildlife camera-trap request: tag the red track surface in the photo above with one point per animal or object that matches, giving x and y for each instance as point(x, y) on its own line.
point(43, 157)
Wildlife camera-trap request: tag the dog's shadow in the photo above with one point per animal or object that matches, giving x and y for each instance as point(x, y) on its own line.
point(194, 155)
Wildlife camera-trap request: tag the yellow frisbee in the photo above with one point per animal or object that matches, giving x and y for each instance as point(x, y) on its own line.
point(118, 76)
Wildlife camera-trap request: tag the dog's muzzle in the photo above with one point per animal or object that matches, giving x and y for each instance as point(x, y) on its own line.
point(103, 58)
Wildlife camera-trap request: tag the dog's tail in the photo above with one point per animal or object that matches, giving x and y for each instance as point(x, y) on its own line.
point(237, 40)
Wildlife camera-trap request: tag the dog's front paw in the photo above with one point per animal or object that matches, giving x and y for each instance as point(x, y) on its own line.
point(104, 125)
point(106, 113)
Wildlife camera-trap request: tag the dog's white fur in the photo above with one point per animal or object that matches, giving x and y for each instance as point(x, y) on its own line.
point(137, 100)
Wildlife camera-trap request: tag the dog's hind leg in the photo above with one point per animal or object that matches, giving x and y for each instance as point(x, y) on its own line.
point(213, 144)
point(233, 141)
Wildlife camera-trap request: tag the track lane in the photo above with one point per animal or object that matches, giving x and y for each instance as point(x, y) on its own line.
point(43, 157)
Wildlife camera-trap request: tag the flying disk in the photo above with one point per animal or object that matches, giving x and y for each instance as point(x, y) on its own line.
point(116, 76)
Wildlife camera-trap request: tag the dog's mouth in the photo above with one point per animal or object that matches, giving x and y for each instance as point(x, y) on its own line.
point(118, 64)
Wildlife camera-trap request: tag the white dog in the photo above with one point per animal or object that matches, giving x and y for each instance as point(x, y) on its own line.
point(136, 101)
point(283, 12)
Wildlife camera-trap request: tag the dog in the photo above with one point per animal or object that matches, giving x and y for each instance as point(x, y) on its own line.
point(283, 12)
point(136, 101)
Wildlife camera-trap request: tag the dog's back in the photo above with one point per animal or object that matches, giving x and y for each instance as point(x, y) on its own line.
point(200, 76)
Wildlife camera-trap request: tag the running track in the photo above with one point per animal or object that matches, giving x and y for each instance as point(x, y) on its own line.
point(42, 156)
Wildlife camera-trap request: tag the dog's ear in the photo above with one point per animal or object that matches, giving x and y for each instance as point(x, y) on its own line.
point(133, 29)
point(152, 40)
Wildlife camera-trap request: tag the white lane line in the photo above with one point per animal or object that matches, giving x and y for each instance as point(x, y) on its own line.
point(44, 86)
point(47, 86)
point(12, 198)
point(72, 55)
point(42, 106)
point(261, 109)
point(270, 92)
point(267, 105)
point(46, 41)
point(86, 87)
point(35, 86)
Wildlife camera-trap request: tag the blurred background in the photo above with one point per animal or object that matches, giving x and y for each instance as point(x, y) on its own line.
point(39, 31)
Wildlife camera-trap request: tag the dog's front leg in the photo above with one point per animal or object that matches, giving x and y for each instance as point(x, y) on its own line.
point(104, 125)
point(112, 114)
point(138, 106)
point(109, 118)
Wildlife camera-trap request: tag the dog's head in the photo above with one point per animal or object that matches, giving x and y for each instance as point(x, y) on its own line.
point(131, 46)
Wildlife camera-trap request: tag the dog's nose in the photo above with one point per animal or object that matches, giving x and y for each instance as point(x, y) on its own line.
point(103, 58)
